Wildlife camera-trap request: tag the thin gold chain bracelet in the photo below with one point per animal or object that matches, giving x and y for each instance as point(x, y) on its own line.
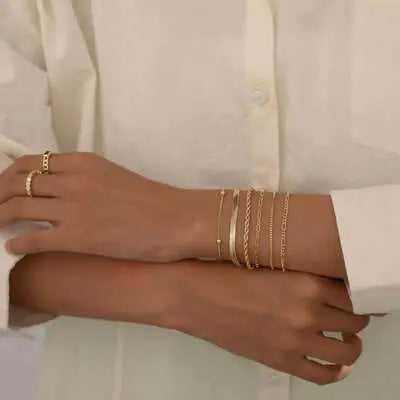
point(285, 215)
point(232, 230)
point(247, 228)
point(271, 233)
point(258, 228)
point(222, 194)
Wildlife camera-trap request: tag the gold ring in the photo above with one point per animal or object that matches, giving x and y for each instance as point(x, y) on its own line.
point(46, 162)
point(29, 181)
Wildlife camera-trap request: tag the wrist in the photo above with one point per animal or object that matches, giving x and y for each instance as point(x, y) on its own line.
point(314, 244)
point(189, 282)
point(198, 233)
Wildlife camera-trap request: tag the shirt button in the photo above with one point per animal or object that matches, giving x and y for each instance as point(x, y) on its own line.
point(259, 97)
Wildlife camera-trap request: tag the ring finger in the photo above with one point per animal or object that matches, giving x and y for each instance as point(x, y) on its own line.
point(335, 351)
point(42, 186)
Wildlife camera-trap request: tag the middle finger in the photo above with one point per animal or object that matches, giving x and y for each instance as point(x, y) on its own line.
point(333, 350)
point(332, 319)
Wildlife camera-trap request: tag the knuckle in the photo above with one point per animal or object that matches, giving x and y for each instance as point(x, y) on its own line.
point(357, 323)
point(75, 183)
point(363, 322)
point(357, 354)
point(86, 154)
point(92, 158)
point(86, 160)
point(303, 319)
point(77, 158)
point(311, 287)
point(352, 354)
point(349, 357)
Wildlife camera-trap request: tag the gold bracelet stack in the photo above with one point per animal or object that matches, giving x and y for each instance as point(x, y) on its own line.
point(219, 235)
point(232, 230)
point(253, 262)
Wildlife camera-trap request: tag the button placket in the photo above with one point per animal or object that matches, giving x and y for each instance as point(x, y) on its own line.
point(262, 111)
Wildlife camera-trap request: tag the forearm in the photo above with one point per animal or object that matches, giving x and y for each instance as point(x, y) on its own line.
point(94, 287)
point(232, 308)
point(313, 238)
point(313, 243)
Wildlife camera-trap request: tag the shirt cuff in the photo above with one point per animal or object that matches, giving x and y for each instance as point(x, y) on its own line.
point(368, 221)
point(14, 317)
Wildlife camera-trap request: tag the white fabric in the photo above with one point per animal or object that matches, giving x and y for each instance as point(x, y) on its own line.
point(292, 95)
point(20, 360)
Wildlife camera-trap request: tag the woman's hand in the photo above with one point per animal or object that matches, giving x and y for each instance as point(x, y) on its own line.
point(270, 317)
point(274, 318)
point(95, 207)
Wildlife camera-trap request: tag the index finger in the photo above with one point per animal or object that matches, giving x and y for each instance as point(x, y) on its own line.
point(57, 163)
point(338, 295)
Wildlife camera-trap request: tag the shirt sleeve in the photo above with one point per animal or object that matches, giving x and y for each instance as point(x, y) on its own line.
point(25, 120)
point(369, 227)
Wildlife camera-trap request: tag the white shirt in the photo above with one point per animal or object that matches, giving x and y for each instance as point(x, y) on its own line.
point(282, 94)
